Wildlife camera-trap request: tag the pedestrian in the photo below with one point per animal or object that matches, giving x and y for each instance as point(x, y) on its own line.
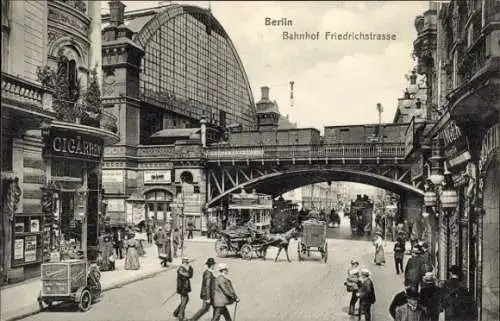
point(207, 289)
point(118, 242)
point(400, 299)
point(399, 254)
point(190, 228)
point(457, 302)
point(132, 256)
point(149, 231)
point(379, 258)
point(411, 310)
point(224, 294)
point(162, 242)
point(176, 241)
point(352, 284)
point(184, 275)
point(414, 270)
point(430, 297)
point(366, 295)
point(427, 257)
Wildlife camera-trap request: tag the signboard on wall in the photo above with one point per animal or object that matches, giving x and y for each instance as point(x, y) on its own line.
point(112, 176)
point(71, 145)
point(158, 177)
point(18, 249)
point(115, 205)
point(30, 249)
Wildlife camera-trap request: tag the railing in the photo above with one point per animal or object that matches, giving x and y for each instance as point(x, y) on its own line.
point(339, 151)
point(23, 93)
point(108, 122)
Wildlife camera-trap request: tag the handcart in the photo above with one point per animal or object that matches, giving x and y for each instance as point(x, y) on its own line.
point(69, 281)
point(313, 239)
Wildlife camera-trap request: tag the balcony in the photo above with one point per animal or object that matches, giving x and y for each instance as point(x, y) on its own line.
point(26, 97)
point(331, 151)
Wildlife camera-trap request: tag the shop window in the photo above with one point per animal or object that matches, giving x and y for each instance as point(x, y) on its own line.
point(158, 206)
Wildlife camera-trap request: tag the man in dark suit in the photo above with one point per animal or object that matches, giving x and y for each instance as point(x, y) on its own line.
point(415, 268)
point(207, 289)
point(118, 242)
point(366, 295)
point(224, 294)
point(184, 274)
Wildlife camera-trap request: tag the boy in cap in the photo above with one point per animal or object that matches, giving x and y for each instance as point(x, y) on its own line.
point(429, 297)
point(224, 294)
point(207, 289)
point(399, 254)
point(411, 309)
point(366, 295)
point(184, 274)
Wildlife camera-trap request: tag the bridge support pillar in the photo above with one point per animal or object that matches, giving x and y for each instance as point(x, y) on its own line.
point(412, 212)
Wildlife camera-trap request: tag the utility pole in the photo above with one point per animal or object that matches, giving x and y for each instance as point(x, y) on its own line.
point(380, 110)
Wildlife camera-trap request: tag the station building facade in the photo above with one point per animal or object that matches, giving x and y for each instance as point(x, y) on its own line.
point(172, 77)
point(53, 132)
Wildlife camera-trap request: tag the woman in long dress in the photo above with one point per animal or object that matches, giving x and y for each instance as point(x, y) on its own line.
point(379, 249)
point(132, 257)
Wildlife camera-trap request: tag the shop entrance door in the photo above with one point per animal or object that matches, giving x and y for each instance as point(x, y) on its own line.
point(158, 207)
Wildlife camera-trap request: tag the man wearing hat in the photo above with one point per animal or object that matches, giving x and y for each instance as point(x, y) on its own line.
point(430, 297)
point(184, 274)
point(207, 289)
point(410, 310)
point(415, 269)
point(224, 294)
point(366, 295)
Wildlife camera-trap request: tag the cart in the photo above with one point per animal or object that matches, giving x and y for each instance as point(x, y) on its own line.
point(243, 242)
point(313, 239)
point(69, 281)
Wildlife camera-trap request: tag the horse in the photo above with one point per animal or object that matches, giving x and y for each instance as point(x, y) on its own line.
point(281, 241)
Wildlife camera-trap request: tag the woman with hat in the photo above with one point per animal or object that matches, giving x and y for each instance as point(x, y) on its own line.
point(430, 297)
point(352, 284)
point(379, 249)
point(131, 256)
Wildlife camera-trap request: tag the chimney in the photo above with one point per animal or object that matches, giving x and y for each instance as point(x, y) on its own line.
point(116, 12)
point(264, 93)
point(413, 77)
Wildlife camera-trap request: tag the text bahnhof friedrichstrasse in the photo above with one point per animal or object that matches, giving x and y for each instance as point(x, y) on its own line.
point(347, 36)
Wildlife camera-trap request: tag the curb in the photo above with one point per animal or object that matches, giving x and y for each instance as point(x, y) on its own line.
point(112, 286)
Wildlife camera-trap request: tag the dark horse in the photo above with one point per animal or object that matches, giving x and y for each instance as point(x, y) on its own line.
point(281, 241)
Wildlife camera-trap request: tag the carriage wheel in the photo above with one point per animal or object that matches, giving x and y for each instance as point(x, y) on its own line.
point(221, 248)
point(246, 251)
point(85, 301)
point(325, 252)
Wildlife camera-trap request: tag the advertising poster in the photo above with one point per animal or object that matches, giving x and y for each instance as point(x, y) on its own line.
point(35, 226)
point(18, 249)
point(30, 249)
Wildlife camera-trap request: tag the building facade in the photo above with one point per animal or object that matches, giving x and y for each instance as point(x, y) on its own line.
point(458, 51)
point(53, 132)
point(171, 76)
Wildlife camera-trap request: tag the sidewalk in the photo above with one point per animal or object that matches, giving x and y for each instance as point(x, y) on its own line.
point(19, 301)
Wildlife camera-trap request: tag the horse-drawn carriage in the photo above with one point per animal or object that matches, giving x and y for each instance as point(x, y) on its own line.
point(313, 239)
point(244, 241)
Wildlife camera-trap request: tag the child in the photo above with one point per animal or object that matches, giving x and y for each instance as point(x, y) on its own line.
point(352, 284)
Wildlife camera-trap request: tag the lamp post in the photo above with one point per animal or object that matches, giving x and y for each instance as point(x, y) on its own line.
point(444, 199)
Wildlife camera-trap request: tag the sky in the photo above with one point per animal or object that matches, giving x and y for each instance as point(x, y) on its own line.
point(336, 82)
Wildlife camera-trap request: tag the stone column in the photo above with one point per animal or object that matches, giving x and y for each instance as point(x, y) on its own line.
point(443, 243)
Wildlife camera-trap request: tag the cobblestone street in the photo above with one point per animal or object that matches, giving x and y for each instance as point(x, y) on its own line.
point(308, 290)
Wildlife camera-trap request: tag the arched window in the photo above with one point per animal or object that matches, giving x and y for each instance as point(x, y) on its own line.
point(158, 206)
point(187, 177)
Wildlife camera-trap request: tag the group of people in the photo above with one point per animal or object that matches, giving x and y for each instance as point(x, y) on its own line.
point(422, 299)
point(112, 246)
point(216, 291)
point(166, 243)
point(360, 285)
